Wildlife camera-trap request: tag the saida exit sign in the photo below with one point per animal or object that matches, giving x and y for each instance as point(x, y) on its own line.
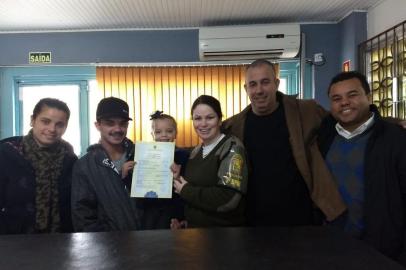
point(40, 58)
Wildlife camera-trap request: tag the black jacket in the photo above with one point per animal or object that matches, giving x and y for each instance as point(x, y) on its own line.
point(17, 189)
point(385, 182)
point(100, 198)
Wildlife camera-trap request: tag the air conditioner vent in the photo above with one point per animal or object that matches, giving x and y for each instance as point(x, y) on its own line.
point(249, 42)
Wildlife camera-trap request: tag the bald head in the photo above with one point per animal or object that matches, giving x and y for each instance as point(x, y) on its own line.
point(261, 85)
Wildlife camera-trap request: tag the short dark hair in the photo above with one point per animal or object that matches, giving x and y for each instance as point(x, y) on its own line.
point(161, 115)
point(51, 103)
point(261, 62)
point(209, 101)
point(343, 76)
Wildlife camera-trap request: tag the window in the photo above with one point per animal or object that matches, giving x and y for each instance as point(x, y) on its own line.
point(283, 84)
point(73, 93)
point(383, 61)
point(289, 77)
point(94, 97)
point(69, 93)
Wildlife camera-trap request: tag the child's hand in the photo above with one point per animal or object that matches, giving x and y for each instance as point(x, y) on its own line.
point(128, 166)
point(176, 224)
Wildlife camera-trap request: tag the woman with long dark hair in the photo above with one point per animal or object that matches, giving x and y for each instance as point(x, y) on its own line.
point(35, 179)
point(215, 179)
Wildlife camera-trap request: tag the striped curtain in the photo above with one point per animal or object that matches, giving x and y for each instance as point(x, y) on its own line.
point(172, 90)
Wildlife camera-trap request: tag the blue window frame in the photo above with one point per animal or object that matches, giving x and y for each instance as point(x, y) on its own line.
point(289, 72)
point(72, 92)
point(15, 78)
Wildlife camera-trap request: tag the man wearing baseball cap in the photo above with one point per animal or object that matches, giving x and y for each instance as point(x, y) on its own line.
point(101, 178)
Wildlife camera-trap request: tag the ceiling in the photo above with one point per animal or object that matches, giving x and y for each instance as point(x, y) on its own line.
point(78, 15)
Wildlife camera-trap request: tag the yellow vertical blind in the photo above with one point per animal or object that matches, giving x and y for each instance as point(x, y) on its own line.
point(172, 90)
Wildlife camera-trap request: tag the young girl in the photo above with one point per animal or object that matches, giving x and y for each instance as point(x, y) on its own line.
point(157, 213)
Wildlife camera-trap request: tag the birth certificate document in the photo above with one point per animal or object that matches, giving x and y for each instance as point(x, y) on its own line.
point(152, 176)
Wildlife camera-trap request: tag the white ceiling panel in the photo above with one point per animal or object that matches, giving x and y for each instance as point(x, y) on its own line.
point(74, 15)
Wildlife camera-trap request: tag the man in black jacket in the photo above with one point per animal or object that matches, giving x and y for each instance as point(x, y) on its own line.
point(367, 157)
point(101, 178)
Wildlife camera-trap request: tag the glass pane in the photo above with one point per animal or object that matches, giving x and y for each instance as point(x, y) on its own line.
point(283, 85)
point(94, 97)
point(30, 95)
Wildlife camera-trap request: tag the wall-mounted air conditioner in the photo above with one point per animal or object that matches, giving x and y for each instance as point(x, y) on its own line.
point(249, 42)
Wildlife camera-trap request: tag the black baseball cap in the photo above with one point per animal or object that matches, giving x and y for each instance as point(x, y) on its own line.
point(112, 107)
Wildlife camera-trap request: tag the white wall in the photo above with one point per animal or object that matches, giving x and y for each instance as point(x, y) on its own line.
point(386, 14)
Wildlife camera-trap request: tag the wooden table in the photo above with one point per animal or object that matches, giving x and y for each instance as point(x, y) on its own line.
point(229, 248)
